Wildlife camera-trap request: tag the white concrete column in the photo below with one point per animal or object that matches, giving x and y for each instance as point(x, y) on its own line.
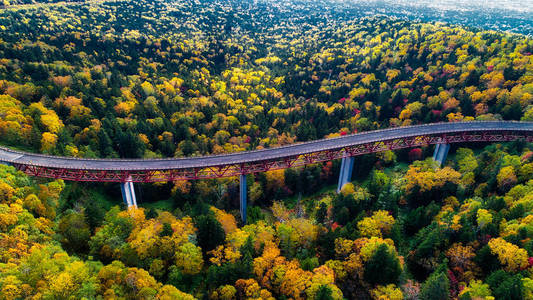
point(345, 174)
point(441, 152)
point(128, 193)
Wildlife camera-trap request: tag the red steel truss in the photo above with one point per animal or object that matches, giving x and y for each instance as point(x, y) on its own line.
point(231, 169)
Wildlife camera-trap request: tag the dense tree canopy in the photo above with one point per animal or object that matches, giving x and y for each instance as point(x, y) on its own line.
point(149, 79)
point(167, 84)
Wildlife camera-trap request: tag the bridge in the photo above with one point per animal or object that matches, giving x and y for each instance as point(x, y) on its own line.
point(128, 171)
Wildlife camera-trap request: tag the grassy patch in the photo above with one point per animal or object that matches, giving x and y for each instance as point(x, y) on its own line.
point(83, 193)
point(166, 205)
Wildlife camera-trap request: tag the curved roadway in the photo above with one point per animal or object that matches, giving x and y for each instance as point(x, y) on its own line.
point(24, 158)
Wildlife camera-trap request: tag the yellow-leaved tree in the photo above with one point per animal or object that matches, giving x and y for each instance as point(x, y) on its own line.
point(380, 222)
point(511, 256)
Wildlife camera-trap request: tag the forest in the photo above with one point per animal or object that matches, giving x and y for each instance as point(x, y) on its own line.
point(180, 78)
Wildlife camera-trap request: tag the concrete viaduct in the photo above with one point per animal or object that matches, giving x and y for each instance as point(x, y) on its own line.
point(128, 171)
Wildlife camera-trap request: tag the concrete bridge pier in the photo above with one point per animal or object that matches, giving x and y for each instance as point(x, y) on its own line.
point(128, 193)
point(441, 152)
point(243, 197)
point(346, 172)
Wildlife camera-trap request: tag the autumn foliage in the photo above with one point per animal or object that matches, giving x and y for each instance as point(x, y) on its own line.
point(154, 79)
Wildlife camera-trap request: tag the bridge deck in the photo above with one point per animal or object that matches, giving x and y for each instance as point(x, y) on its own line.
point(23, 158)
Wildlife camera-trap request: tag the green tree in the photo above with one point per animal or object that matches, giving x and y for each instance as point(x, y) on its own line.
point(505, 285)
point(322, 213)
point(383, 267)
point(228, 273)
point(75, 232)
point(436, 287)
point(324, 293)
point(210, 232)
point(112, 234)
